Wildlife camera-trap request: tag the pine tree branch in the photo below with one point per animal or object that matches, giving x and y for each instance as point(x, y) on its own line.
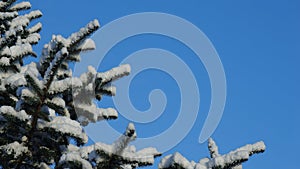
point(228, 161)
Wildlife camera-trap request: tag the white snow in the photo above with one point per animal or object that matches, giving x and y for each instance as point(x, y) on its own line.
point(130, 128)
point(237, 167)
point(21, 50)
point(4, 61)
point(74, 57)
point(35, 28)
point(120, 144)
point(172, 160)
point(65, 125)
point(3, 4)
point(33, 80)
point(253, 148)
point(32, 38)
point(140, 158)
point(14, 80)
point(27, 95)
point(60, 86)
point(145, 156)
point(109, 88)
point(128, 155)
point(109, 113)
point(233, 158)
point(14, 148)
point(50, 48)
point(44, 166)
point(65, 73)
point(88, 44)
point(10, 111)
point(126, 166)
point(83, 32)
point(204, 161)
point(59, 102)
point(30, 68)
point(19, 21)
point(114, 73)
point(91, 113)
point(20, 6)
point(5, 51)
point(213, 148)
point(75, 157)
point(34, 14)
point(51, 112)
point(105, 148)
point(88, 78)
point(7, 15)
point(17, 51)
point(55, 62)
point(18, 79)
point(8, 34)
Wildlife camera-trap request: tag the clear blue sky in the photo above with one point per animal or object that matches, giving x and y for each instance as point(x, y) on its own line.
point(259, 45)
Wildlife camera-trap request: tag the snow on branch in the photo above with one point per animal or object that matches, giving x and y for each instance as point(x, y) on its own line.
point(44, 166)
point(74, 58)
point(16, 41)
point(112, 75)
point(17, 51)
point(143, 157)
point(77, 37)
point(4, 62)
point(86, 45)
point(176, 161)
point(35, 29)
point(66, 126)
point(73, 160)
point(20, 21)
point(34, 83)
point(90, 113)
point(32, 38)
point(119, 145)
point(108, 113)
point(18, 79)
point(7, 15)
point(49, 52)
point(56, 102)
point(20, 6)
point(34, 15)
point(52, 69)
point(5, 4)
point(15, 149)
point(213, 148)
point(258, 147)
point(8, 111)
point(103, 80)
point(58, 105)
point(60, 86)
point(85, 109)
point(117, 155)
point(74, 44)
point(30, 97)
point(233, 159)
point(107, 89)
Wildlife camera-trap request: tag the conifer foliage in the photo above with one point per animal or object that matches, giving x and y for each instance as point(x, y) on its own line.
point(43, 108)
point(232, 160)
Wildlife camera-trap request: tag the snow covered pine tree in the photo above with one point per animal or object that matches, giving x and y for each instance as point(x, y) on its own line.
point(39, 116)
point(43, 108)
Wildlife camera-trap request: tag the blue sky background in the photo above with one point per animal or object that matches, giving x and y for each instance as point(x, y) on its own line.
point(258, 43)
